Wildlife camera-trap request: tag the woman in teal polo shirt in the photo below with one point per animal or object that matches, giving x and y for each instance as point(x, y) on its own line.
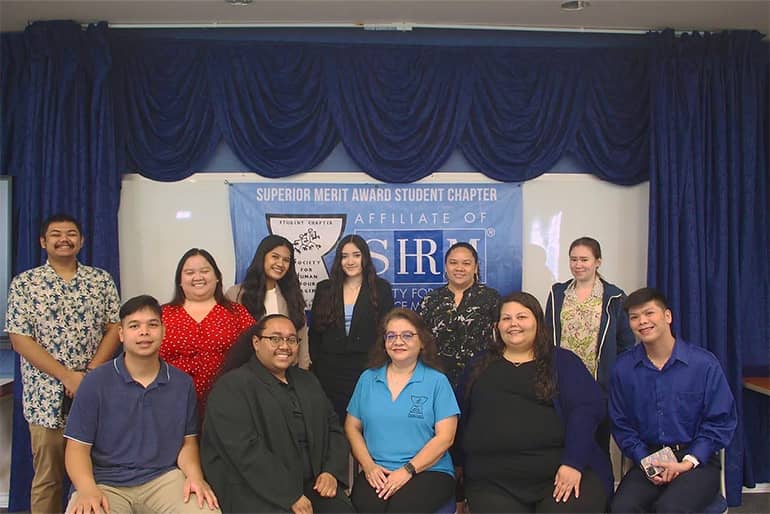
point(401, 421)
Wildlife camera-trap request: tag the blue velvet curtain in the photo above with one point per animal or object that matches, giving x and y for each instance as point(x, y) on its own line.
point(271, 105)
point(708, 239)
point(399, 111)
point(79, 107)
point(165, 111)
point(59, 146)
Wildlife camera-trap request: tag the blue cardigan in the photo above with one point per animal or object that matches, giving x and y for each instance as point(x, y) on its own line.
point(615, 335)
point(581, 405)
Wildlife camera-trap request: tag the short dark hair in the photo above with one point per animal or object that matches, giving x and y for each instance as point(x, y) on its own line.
point(59, 218)
point(644, 295)
point(378, 356)
point(243, 350)
point(590, 243)
point(138, 303)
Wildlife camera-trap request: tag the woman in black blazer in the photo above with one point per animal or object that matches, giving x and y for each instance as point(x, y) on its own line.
point(347, 309)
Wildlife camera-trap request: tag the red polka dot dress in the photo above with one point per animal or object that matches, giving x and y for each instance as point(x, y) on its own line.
point(199, 349)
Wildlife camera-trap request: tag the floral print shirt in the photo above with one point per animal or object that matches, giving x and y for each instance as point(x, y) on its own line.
point(580, 323)
point(68, 319)
point(463, 331)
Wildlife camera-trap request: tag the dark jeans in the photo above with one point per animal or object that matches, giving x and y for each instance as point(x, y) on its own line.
point(689, 492)
point(425, 492)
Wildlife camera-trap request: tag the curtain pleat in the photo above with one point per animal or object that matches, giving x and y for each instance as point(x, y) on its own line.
point(613, 137)
point(708, 237)
point(271, 106)
point(526, 108)
point(165, 107)
point(399, 111)
point(58, 120)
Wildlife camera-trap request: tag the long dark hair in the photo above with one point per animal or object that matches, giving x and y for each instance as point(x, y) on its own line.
point(329, 311)
point(545, 381)
point(243, 350)
point(254, 286)
point(219, 296)
point(378, 357)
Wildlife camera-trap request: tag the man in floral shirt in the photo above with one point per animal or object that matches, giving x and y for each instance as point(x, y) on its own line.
point(63, 321)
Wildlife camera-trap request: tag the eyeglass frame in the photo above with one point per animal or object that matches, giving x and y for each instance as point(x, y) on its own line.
point(396, 336)
point(276, 341)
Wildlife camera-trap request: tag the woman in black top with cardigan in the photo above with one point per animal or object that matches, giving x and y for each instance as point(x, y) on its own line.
point(347, 309)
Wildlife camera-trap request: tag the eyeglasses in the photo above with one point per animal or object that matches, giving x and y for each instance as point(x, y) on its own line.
point(275, 341)
point(406, 337)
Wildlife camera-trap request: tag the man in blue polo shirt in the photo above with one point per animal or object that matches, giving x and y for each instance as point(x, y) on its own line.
point(667, 392)
point(132, 430)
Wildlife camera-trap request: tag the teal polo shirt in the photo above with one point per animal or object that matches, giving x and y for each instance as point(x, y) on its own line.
point(395, 431)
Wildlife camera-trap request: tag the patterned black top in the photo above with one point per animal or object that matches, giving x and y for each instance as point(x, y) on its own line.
point(461, 332)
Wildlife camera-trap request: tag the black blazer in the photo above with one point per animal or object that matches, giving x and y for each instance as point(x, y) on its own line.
point(363, 326)
point(248, 454)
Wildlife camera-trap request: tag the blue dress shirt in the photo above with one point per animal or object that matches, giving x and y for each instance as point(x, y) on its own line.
point(687, 402)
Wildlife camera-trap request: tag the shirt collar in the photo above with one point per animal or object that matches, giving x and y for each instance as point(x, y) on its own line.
point(119, 365)
point(597, 290)
point(49, 269)
point(417, 376)
point(680, 353)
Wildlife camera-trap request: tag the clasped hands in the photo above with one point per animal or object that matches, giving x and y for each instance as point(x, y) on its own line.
point(386, 483)
point(325, 485)
point(671, 470)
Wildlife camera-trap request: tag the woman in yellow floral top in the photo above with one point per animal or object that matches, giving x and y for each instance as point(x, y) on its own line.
point(586, 316)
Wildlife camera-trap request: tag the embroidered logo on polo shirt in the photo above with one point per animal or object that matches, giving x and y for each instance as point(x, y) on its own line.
point(416, 410)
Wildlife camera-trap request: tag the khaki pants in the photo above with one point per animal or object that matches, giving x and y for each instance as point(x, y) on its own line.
point(48, 461)
point(162, 494)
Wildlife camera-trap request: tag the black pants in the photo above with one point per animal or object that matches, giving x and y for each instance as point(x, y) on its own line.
point(691, 491)
point(322, 505)
point(425, 492)
point(487, 497)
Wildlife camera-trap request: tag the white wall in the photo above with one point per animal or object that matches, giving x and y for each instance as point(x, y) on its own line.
point(159, 221)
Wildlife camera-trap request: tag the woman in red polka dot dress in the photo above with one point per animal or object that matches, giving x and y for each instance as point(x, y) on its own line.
point(201, 324)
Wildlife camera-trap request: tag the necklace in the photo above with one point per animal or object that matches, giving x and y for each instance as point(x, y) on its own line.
point(517, 363)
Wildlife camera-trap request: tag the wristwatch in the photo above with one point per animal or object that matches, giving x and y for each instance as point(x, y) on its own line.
point(410, 468)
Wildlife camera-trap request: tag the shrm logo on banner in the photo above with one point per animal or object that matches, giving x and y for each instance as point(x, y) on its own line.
point(416, 257)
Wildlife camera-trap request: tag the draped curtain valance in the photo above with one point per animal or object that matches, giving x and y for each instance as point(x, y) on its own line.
point(399, 111)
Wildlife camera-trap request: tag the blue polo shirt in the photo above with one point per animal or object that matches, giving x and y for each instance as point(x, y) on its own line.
point(395, 431)
point(686, 402)
point(135, 432)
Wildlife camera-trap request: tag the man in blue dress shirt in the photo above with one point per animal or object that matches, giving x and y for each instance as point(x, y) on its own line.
point(667, 392)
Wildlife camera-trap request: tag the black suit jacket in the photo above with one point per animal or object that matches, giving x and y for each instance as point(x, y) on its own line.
point(247, 451)
point(363, 326)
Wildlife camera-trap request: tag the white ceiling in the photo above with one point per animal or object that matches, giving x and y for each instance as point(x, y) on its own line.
point(602, 14)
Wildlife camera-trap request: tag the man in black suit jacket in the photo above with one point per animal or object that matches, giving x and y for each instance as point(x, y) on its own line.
point(271, 439)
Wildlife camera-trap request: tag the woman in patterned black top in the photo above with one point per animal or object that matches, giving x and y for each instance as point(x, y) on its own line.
point(460, 314)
